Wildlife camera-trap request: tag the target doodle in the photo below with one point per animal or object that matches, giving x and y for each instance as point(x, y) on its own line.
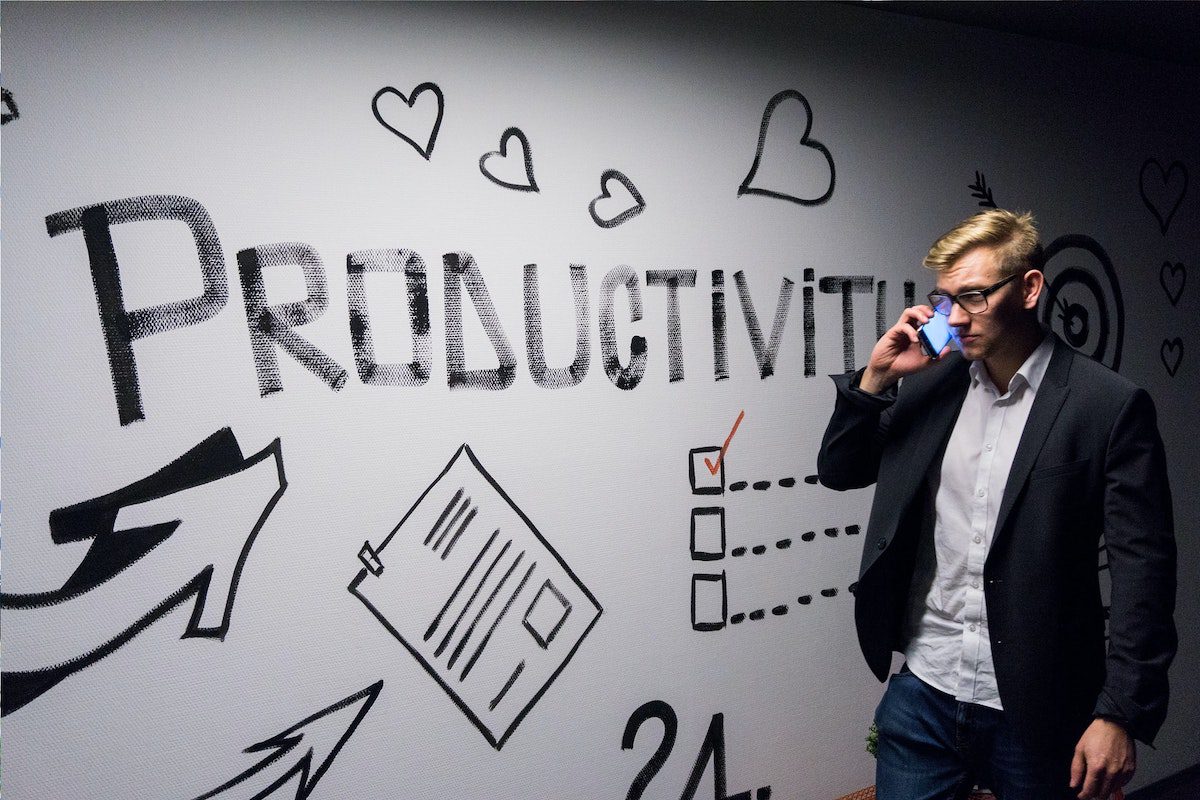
point(1083, 304)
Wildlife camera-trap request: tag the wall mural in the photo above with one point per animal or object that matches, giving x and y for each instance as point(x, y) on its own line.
point(540, 611)
point(516, 611)
point(138, 525)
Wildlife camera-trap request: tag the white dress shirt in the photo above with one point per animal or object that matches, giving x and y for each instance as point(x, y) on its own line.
point(948, 645)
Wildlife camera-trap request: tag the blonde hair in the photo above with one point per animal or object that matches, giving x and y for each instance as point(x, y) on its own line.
point(1013, 236)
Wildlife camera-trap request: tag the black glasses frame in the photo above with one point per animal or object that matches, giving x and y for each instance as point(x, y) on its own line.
point(958, 298)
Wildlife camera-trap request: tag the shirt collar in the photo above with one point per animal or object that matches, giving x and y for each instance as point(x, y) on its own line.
point(1029, 374)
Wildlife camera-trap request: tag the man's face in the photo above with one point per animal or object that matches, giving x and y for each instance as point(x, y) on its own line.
point(983, 334)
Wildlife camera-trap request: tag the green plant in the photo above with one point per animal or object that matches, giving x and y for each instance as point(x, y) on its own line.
point(873, 740)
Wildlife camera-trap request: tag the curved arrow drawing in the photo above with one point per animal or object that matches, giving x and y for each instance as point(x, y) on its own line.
point(320, 737)
point(152, 543)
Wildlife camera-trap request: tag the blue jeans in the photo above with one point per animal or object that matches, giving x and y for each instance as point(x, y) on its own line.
point(933, 747)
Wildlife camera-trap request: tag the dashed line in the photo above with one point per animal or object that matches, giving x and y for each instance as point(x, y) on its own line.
point(784, 544)
point(782, 609)
point(762, 486)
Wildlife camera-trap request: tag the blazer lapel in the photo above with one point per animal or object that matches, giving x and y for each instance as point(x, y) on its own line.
point(1046, 405)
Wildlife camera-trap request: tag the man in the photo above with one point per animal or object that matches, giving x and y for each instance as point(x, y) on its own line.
point(999, 469)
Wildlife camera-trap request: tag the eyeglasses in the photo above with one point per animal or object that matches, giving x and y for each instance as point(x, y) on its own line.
point(972, 302)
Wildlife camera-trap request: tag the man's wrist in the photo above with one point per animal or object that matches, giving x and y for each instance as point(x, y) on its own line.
point(1116, 719)
point(872, 383)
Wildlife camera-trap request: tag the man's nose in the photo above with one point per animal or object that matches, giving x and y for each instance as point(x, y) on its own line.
point(958, 317)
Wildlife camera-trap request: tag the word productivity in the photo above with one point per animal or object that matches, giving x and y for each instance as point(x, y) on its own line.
point(275, 328)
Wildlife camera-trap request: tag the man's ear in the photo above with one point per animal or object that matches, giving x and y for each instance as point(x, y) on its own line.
point(1032, 284)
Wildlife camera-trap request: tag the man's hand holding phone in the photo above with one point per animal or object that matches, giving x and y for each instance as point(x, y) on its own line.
point(899, 352)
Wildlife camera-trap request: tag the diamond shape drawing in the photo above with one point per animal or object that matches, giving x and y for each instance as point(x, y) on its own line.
point(470, 587)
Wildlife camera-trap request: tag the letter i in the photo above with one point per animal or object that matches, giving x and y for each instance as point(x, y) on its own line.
point(720, 351)
point(810, 326)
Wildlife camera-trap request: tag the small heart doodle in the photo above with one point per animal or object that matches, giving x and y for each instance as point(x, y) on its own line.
point(1163, 190)
point(530, 185)
point(10, 107)
point(796, 195)
point(639, 204)
point(427, 150)
point(1171, 354)
point(1173, 278)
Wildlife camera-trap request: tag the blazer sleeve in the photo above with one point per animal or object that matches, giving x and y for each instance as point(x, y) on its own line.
point(1140, 537)
point(854, 438)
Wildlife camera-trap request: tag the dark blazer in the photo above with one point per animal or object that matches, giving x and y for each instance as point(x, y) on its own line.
point(1090, 463)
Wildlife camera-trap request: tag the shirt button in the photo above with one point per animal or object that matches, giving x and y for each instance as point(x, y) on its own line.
point(981, 492)
point(975, 584)
point(978, 539)
point(971, 627)
point(988, 448)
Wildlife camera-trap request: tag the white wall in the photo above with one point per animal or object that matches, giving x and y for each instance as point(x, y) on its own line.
point(263, 116)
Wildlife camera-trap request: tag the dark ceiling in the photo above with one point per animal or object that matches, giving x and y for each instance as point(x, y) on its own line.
point(1164, 31)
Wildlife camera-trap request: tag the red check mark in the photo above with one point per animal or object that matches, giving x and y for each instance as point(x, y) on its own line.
point(713, 468)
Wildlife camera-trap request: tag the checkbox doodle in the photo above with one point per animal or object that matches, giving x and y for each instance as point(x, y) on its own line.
point(708, 533)
point(710, 602)
point(702, 479)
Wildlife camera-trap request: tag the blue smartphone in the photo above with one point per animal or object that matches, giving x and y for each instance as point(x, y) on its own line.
point(935, 334)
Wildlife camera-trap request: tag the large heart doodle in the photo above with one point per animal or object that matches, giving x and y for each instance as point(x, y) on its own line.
point(530, 184)
point(10, 107)
point(1173, 278)
point(1171, 354)
point(427, 150)
point(630, 211)
point(1162, 193)
point(805, 141)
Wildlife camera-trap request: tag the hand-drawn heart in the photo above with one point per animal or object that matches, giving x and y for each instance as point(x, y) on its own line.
point(427, 150)
point(1162, 193)
point(10, 107)
point(630, 211)
point(530, 184)
point(805, 141)
point(1173, 278)
point(1171, 354)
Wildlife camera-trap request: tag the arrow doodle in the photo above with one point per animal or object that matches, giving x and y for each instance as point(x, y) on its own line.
point(260, 781)
point(168, 525)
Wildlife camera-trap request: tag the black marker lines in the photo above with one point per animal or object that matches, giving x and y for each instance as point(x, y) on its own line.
point(427, 150)
point(1163, 190)
point(802, 195)
point(1171, 353)
point(639, 203)
point(781, 610)
point(784, 544)
point(10, 107)
point(510, 613)
point(981, 192)
point(764, 485)
point(530, 185)
point(1173, 278)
